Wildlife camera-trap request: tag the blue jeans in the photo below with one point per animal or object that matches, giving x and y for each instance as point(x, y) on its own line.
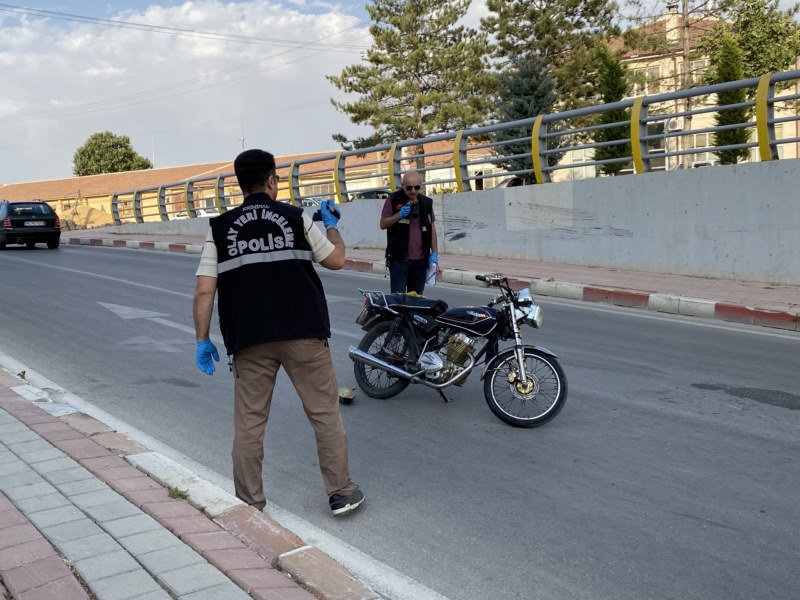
point(407, 275)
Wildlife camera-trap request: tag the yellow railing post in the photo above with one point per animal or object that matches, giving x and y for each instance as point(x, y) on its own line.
point(764, 113)
point(457, 160)
point(391, 159)
point(536, 143)
point(292, 196)
point(337, 185)
point(636, 135)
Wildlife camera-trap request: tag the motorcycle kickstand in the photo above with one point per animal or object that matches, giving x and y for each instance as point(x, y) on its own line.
point(445, 398)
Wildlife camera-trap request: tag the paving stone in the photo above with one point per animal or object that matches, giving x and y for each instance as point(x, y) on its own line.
point(6, 456)
point(159, 595)
point(261, 579)
point(32, 446)
point(323, 576)
point(5, 503)
point(35, 574)
point(62, 435)
point(119, 444)
point(35, 488)
point(55, 464)
point(13, 467)
point(95, 498)
point(56, 516)
point(74, 474)
point(112, 511)
point(149, 541)
point(66, 588)
point(9, 482)
point(219, 540)
point(85, 424)
point(22, 554)
point(18, 534)
point(143, 497)
point(11, 425)
point(37, 503)
point(125, 586)
point(169, 559)
point(50, 424)
point(106, 565)
point(40, 455)
point(229, 591)
point(259, 532)
point(103, 462)
point(71, 531)
point(131, 525)
point(181, 526)
point(26, 435)
point(73, 488)
point(292, 593)
point(131, 484)
point(191, 579)
point(86, 547)
point(11, 518)
point(239, 558)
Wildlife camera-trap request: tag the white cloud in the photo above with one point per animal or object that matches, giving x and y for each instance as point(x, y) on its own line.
point(181, 99)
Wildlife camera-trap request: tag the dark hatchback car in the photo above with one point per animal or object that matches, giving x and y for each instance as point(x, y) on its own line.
point(29, 222)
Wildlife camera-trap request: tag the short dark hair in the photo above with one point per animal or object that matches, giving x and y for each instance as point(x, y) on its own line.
point(252, 168)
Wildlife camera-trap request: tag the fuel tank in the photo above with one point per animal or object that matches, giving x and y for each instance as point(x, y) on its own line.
point(475, 319)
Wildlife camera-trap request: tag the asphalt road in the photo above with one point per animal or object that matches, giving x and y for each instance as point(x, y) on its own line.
point(671, 473)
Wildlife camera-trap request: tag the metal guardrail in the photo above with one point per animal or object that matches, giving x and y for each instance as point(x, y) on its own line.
point(476, 159)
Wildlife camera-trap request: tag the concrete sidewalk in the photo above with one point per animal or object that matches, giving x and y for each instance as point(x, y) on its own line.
point(86, 513)
point(755, 303)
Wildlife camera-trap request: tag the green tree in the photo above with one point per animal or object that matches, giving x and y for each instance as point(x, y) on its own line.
point(105, 152)
point(768, 37)
point(424, 73)
point(727, 65)
point(613, 87)
point(562, 33)
point(528, 90)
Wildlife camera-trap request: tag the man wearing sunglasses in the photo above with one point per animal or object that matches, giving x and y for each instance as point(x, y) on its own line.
point(411, 244)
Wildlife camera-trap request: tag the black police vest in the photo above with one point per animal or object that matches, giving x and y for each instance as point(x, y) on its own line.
point(397, 234)
point(268, 290)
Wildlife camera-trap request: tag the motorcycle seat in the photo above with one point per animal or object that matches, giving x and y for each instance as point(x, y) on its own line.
point(405, 303)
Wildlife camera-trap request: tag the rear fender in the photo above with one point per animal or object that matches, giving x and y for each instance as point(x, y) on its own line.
point(502, 354)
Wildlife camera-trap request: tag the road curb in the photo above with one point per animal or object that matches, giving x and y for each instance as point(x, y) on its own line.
point(138, 473)
point(655, 302)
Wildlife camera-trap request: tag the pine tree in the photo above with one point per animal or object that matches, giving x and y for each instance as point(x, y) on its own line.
point(528, 90)
point(613, 87)
point(424, 74)
point(562, 33)
point(727, 65)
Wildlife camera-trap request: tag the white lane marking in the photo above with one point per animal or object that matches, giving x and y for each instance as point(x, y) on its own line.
point(379, 576)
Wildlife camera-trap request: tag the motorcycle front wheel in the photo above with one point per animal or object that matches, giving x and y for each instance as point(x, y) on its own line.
point(393, 348)
point(529, 403)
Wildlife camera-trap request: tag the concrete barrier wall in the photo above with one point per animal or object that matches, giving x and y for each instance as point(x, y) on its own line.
point(739, 222)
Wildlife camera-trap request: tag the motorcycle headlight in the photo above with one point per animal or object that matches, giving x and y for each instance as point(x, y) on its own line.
point(535, 316)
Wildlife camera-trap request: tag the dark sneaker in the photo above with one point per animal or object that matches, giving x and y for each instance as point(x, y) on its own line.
point(344, 504)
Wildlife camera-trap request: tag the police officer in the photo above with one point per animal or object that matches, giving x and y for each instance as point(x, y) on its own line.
point(411, 244)
point(258, 260)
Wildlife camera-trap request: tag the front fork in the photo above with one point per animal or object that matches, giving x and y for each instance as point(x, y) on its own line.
point(520, 377)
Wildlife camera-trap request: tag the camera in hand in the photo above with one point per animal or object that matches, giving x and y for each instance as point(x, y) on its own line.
point(317, 216)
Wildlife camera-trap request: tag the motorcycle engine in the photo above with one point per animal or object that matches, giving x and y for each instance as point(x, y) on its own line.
point(441, 364)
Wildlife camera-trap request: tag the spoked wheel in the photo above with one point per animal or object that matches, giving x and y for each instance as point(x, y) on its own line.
point(528, 403)
point(393, 348)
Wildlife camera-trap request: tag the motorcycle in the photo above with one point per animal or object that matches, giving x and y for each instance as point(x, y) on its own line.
point(418, 340)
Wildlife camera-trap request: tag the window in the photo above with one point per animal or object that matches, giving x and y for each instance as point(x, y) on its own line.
point(700, 158)
point(577, 157)
point(655, 146)
point(697, 71)
point(646, 80)
point(319, 189)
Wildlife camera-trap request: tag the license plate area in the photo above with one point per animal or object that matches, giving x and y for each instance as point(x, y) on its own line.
point(363, 317)
point(34, 223)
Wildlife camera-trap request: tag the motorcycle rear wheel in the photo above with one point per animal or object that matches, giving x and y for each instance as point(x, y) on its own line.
point(525, 404)
point(377, 383)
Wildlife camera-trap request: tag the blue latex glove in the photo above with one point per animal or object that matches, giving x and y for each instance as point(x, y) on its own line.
point(205, 351)
point(330, 214)
point(405, 212)
point(434, 258)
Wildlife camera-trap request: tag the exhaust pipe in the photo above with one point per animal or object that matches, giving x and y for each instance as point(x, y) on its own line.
point(361, 356)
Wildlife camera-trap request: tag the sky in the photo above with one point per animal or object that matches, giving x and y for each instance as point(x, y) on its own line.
point(181, 99)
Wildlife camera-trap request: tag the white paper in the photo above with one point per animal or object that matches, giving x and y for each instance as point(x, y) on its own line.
point(430, 278)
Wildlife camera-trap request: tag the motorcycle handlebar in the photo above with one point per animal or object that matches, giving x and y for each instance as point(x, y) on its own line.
point(481, 278)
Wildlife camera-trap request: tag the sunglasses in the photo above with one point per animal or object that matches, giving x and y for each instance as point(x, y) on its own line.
point(413, 187)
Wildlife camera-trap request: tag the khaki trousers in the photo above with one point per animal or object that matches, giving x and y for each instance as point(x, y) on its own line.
point(309, 366)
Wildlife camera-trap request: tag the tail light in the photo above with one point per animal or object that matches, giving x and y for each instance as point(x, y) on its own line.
point(57, 224)
point(6, 223)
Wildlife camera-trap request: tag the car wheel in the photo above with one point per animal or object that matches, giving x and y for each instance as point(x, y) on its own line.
point(53, 244)
point(2, 246)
